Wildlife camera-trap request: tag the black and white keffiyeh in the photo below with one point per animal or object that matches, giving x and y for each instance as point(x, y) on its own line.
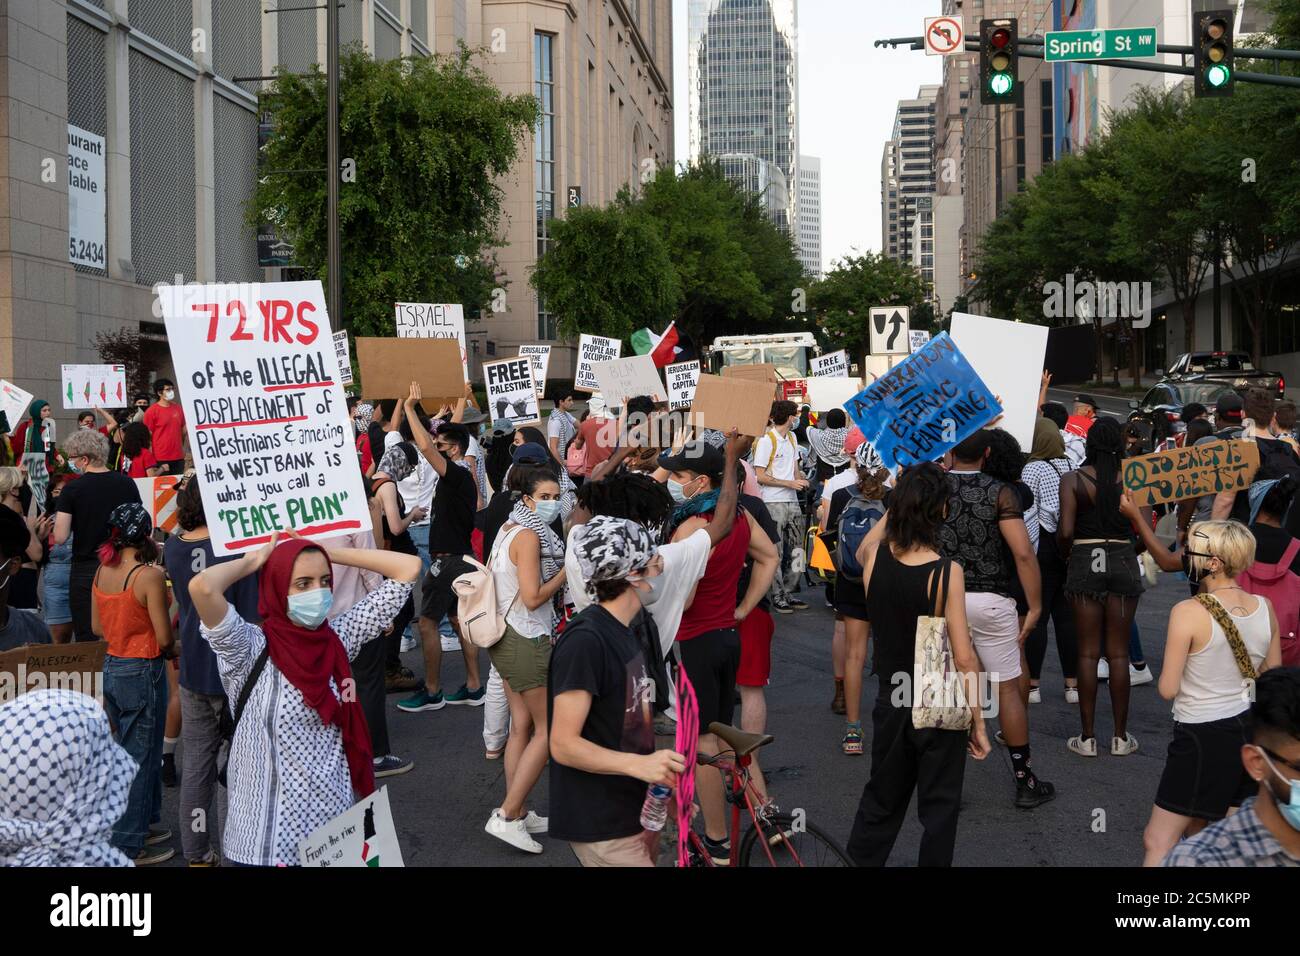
point(398, 462)
point(64, 782)
point(609, 549)
point(828, 445)
point(552, 546)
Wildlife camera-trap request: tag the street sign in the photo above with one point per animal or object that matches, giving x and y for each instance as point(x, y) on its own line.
point(943, 35)
point(1130, 43)
point(889, 328)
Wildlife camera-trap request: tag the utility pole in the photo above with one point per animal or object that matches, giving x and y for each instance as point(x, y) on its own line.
point(333, 253)
point(997, 159)
point(1218, 291)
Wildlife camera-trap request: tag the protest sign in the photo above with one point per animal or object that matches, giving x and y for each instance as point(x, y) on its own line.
point(827, 392)
point(825, 366)
point(540, 355)
point(1008, 358)
point(621, 379)
point(344, 358)
point(511, 395)
point(593, 349)
point(1191, 472)
point(94, 386)
point(426, 320)
point(681, 384)
point(726, 403)
point(14, 402)
point(78, 667)
point(754, 373)
point(389, 366)
point(362, 835)
point(158, 495)
point(923, 406)
point(917, 338)
point(266, 416)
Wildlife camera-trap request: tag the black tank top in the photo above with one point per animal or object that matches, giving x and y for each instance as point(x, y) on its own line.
point(1093, 523)
point(897, 595)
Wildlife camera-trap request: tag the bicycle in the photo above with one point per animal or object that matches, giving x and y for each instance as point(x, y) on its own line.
point(785, 839)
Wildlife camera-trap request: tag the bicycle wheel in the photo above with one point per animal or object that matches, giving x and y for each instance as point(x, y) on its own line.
point(792, 843)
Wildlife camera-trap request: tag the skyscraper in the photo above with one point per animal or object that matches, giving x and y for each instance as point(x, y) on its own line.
point(907, 171)
point(810, 215)
point(744, 88)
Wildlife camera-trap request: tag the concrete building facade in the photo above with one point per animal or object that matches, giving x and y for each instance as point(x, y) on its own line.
point(908, 179)
point(810, 215)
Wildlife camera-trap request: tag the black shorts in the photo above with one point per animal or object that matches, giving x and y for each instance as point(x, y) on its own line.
point(851, 609)
point(1098, 570)
point(437, 599)
point(711, 661)
point(1203, 774)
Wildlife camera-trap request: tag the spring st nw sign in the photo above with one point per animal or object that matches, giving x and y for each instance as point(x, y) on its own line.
point(1063, 45)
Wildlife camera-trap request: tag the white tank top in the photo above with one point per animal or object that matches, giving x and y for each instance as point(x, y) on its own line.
point(536, 623)
point(1212, 687)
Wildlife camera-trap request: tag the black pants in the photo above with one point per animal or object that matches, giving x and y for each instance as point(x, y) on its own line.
point(80, 582)
point(392, 641)
point(1056, 606)
point(903, 759)
point(368, 670)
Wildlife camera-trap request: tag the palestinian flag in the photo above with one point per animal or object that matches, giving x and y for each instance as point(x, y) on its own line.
point(661, 348)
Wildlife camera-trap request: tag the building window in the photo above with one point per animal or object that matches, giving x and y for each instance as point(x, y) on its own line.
point(544, 160)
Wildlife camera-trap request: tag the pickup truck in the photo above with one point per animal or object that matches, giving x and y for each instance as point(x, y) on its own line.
point(1224, 368)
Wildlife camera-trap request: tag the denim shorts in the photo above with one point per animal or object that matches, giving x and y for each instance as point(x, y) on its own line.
point(1101, 569)
point(57, 607)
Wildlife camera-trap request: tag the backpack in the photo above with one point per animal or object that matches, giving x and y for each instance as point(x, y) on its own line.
point(1277, 459)
point(855, 523)
point(476, 601)
point(1281, 586)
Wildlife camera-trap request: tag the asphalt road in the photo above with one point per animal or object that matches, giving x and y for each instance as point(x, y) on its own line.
point(1109, 404)
point(440, 807)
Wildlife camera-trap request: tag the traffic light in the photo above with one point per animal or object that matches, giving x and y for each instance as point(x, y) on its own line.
point(999, 62)
point(1212, 53)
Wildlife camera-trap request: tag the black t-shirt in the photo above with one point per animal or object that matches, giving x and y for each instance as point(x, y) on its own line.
point(1271, 543)
point(90, 499)
point(596, 653)
point(452, 520)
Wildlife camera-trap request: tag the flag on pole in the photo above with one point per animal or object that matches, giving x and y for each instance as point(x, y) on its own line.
point(661, 348)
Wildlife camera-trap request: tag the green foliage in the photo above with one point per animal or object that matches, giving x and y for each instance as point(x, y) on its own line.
point(843, 299)
point(429, 137)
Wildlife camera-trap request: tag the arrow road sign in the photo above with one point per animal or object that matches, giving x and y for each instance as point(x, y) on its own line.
point(889, 330)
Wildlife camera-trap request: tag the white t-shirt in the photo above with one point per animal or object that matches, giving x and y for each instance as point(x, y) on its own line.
point(416, 488)
point(684, 564)
point(558, 427)
point(780, 456)
point(845, 479)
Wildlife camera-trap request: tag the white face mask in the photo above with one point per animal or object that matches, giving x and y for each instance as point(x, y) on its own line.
point(169, 394)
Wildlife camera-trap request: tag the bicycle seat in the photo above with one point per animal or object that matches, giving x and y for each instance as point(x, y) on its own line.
point(738, 740)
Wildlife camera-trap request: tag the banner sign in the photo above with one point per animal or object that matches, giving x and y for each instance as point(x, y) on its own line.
point(266, 416)
point(423, 320)
point(835, 364)
point(344, 358)
point(621, 379)
point(831, 391)
point(87, 229)
point(593, 349)
point(925, 405)
point(14, 402)
point(1191, 472)
point(540, 355)
point(511, 394)
point(94, 386)
point(362, 835)
point(681, 384)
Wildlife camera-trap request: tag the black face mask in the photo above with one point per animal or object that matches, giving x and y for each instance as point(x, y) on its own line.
point(1193, 576)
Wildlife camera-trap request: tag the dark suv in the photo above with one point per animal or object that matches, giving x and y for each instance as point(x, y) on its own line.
point(1224, 368)
point(1162, 406)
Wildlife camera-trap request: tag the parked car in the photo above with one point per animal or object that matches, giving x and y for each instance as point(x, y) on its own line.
point(1225, 368)
point(1162, 406)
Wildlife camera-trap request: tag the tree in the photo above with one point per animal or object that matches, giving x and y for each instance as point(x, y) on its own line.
point(424, 142)
point(844, 298)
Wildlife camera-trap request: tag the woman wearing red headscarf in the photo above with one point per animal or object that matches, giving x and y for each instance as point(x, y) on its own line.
point(301, 751)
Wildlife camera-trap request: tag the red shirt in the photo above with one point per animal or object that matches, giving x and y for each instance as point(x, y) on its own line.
point(166, 425)
point(136, 467)
point(1078, 425)
point(599, 436)
point(714, 606)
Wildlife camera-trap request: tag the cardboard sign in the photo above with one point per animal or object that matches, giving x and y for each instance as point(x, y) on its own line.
point(344, 358)
point(389, 366)
point(1008, 358)
point(158, 495)
point(593, 349)
point(827, 392)
point(754, 373)
point(78, 667)
point(266, 417)
point(540, 355)
point(362, 835)
point(425, 320)
point(511, 394)
point(94, 386)
point(825, 366)
point(621, 379)
point(1191, 472)
point(14, 402)
point(923, 406)
point(917, 339)
point(681, 384)
point(726, 403)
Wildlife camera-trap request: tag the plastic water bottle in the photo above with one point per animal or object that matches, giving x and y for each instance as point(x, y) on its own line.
point(654, 812)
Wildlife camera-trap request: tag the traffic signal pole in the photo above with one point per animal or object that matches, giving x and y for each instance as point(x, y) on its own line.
point(333, 250)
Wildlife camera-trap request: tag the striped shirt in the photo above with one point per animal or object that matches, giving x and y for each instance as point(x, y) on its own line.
point(1238, 840)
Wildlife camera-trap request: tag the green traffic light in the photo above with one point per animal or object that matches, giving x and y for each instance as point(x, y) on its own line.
point(1000, 84)
point(1217, 75)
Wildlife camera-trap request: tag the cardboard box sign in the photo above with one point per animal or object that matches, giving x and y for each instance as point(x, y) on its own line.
point(756, 373)
point(389, 366)
point(1191, 472)
point(726, 403)
point(76, 667)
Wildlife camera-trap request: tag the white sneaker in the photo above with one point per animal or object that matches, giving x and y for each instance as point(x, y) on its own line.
point(535, 824)
point(408, 643)
point(1122, 748)
point(1143, 676)
point(1035, 695)
point(450, 643)
point(1071, 695)
point(1103, 669)
point(1084, 748)
point(514, 832)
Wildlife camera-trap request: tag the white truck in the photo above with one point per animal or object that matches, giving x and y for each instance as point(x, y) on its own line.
point(790, 352)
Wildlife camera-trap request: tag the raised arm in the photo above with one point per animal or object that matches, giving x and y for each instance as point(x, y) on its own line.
point(423, 440)
point(208, 587)
point(390, 564)
point(724, 514)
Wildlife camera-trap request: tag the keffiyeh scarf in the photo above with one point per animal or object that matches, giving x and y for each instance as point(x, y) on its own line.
point(552, 546)
point(828, 445)
point(867, 457)
point(609, 549)
point(397, 463)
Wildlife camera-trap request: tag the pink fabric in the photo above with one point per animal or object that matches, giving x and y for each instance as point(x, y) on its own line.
point(750, 486)
point(686, 744)
point(853, 440)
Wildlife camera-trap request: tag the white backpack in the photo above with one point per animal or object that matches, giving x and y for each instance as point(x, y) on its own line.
point(476, 598)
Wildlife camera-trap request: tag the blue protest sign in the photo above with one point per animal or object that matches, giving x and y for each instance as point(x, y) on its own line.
point(923, 406)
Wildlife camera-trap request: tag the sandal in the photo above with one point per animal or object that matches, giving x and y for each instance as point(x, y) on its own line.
point(853, 739)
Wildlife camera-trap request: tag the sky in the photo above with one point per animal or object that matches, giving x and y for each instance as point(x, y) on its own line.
point(848, 91)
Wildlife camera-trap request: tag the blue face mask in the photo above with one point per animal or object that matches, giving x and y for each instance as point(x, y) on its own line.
point(74, 467)
point(548, 511)
point(1290, 810)
point(309, 608)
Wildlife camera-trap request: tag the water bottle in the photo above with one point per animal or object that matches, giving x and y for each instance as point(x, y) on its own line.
point(654, 812)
